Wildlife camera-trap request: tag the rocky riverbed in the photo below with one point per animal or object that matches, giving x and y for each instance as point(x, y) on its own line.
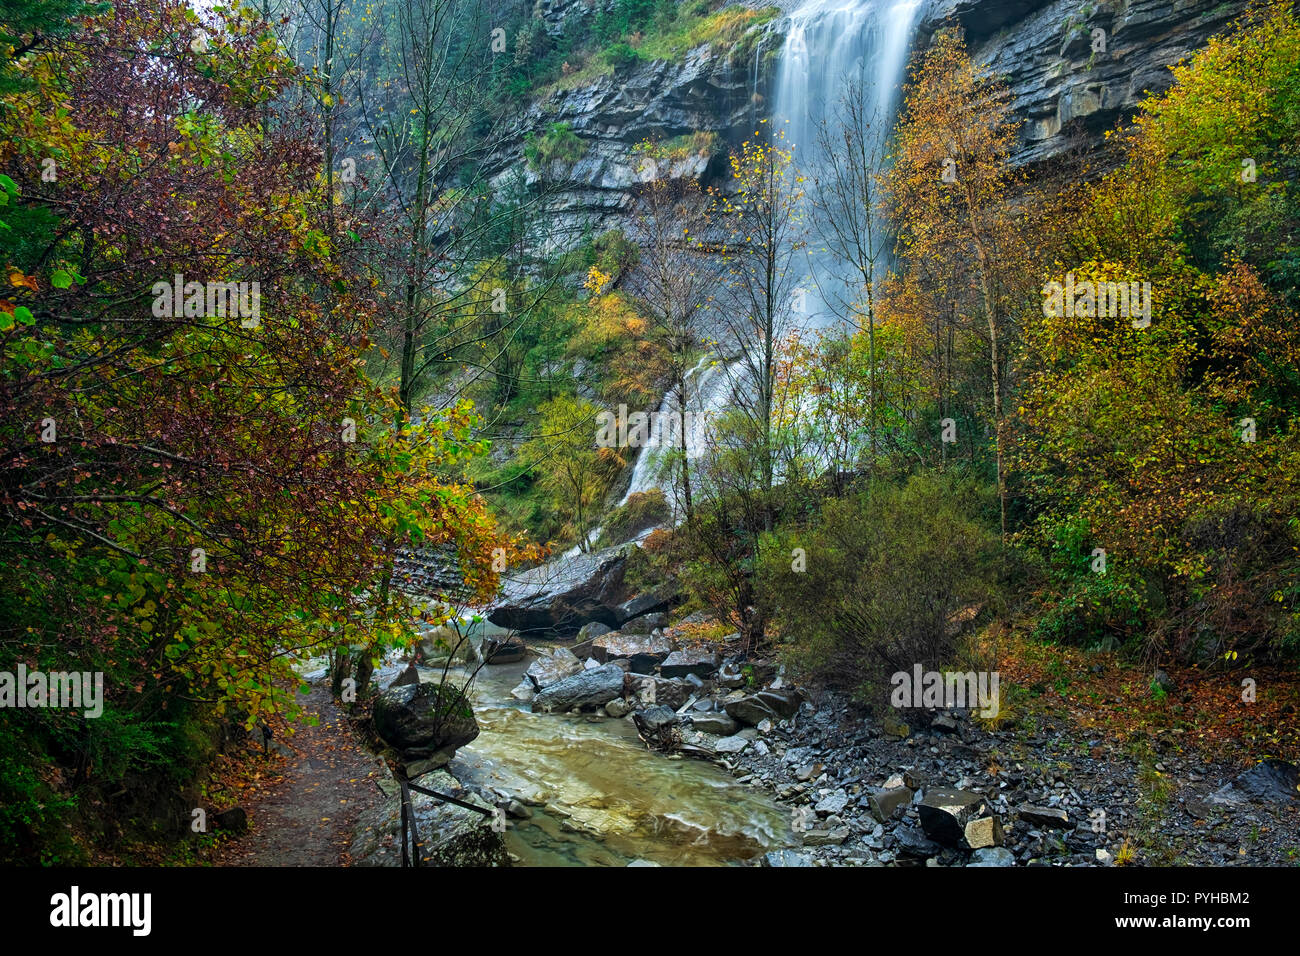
point(643, 745)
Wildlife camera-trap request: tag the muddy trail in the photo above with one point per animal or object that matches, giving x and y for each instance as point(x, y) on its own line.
point(305, 816)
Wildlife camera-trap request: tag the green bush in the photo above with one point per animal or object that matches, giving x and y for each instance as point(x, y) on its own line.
point(883, 572)
point(1098, 612)
point(558, 144)
point(642, 510)
point(620, 55)
point(614, 254)
point(1096, 609)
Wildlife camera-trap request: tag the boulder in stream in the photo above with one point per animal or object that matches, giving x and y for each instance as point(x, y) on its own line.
point(697, 662)
point(584, 690)
point(424, 722)
point(559, 597)
point(644, 651)
point(552, 668)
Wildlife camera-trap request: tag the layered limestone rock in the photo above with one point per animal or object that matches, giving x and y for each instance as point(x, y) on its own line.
point(1068, 81)
point(1074, 70)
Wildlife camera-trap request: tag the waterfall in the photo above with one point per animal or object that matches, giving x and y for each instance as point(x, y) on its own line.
point(706, 392)
point(828, 44)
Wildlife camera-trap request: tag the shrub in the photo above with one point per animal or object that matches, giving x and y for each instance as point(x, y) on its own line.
point(884, 572)
point(558, 144)
point(621, 55)
point(642, 510)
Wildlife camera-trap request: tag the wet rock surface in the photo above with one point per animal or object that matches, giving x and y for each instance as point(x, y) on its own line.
point(1065, 84)
point(588, 689)
point(424, 724)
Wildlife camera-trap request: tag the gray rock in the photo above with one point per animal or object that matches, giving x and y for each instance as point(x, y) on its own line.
point(914, 843)
point(592, 630)
point(553, 668)
point(561, 596)
point(714, 724)
point(784, 702)
point(587, 689)
point(617, 708)
point(648, 602)
point(646, 624)
point(1056, 82)
point(785, 858)
point(1269, 781)
point(653, 720)
point(411, 675)
point(945, 813)
point(1045, 817)
point(645, 651)
point(992, 856)
point(731, 745)
point(424, 722)
point(750, 710)
point(833, 802)
point(450, 836)
point(232, 820)
point(730, 676)
point(943, 724)
point(821, 837)
point(886, 804)
point(671, 693)
point(681, 663)
point(503, 652)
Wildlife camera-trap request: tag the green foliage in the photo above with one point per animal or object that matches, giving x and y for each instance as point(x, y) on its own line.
point(564, 454)
point(884, 572)
point(643, 510)
point(1097, 611)
point(29, 25)
point(559, 144)
point(1175, 445)
point(620, 56)
point(614, 254)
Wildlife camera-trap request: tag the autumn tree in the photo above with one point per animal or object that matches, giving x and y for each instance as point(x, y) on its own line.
point(672, 283)
point(196, 490)
point(757, 306)
point(1166, 439)
point(949, 190)
point(572, 466)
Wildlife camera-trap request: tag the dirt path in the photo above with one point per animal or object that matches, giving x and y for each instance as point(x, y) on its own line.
point(305, 816)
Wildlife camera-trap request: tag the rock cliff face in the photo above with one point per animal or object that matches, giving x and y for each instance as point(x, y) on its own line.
point(1074, 69)
point(711, 91)
point(1078, 68)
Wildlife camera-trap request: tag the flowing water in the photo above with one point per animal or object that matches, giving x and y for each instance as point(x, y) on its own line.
point(831, 46)
point(828, 45)
point(707, 389)
point(605, 800)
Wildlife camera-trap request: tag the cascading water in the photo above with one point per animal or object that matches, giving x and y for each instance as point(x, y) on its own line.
point(829, 46)
point(706, 392)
